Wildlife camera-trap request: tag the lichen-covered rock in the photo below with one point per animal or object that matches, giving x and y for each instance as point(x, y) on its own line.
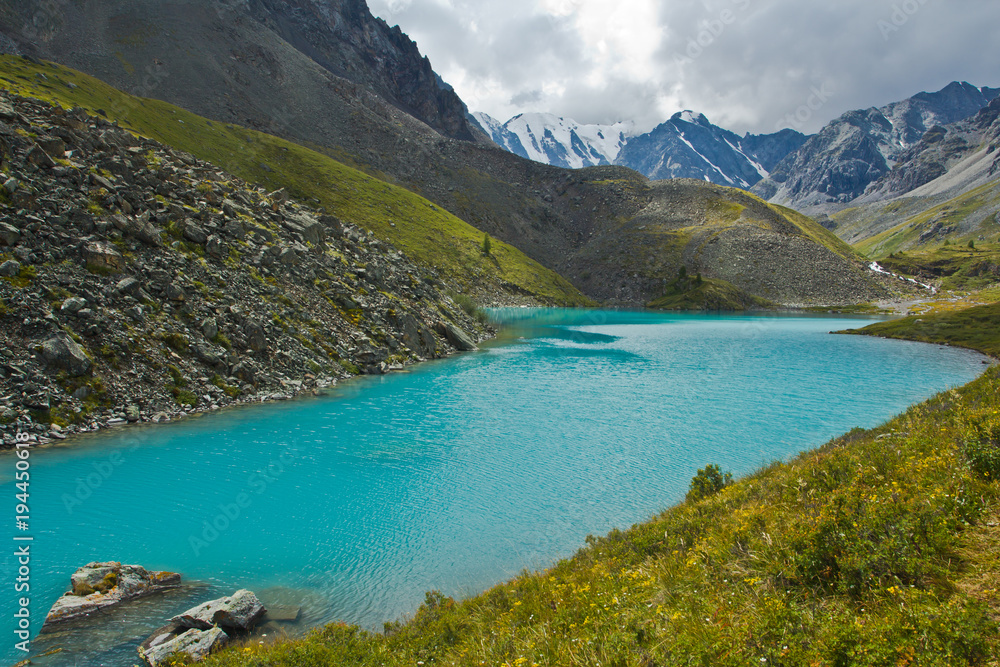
point(97, 586)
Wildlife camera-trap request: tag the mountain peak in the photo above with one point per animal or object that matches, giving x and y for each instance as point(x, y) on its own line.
point(692, 117)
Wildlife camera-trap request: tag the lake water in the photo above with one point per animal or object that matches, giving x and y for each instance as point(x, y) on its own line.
point(455, 475)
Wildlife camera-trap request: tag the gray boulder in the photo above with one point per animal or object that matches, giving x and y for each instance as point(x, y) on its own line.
point(54, 146)
point(195, 233)
point(239, 612)
point(129, 286)
point(311, 229)
point(456, 337)
point(63, 353)
point(210, 328)
point(10, 268)
point(174, 292)
point(39, 158)
point(141, 228)
point(9, 234)
point(415, 335)
point(195, 644)
point(255, 336)
point(73, 305)
point(214, 246)
point(103, 256)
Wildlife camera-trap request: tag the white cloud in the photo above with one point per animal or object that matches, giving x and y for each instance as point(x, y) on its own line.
point(746, 64)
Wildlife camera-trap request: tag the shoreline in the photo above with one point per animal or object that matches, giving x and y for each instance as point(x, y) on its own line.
point(123, 426)
point(324, 386)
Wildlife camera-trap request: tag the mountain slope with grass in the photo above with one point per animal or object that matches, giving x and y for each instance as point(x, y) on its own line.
point(230, 63)
point(879, 548)
point(946, 187)
point(431, 236)
point(749, 252)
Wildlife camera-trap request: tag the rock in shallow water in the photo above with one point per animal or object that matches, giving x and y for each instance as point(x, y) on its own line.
point(239, 612)
point(97, 586)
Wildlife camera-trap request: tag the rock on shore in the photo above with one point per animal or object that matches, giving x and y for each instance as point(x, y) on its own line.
point(199, 630)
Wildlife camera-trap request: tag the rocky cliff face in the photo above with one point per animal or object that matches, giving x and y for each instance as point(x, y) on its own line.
point(836, 166)
point(278, 64)
point(968, 146)
point(344, 38)
point(138, 283)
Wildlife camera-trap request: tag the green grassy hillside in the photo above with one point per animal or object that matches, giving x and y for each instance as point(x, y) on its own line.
point(959, 220)
point(976, 328)
point(428, 234)
point(956, 266)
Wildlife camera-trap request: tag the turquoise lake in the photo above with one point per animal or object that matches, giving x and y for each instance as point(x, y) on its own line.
point(453, 476)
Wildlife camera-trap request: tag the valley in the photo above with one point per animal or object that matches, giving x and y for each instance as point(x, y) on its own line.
point(503, 337)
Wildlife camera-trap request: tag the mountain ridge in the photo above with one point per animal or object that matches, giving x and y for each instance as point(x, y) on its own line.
point(835, 166)
point(687, 145)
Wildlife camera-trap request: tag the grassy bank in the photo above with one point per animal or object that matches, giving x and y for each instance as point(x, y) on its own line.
point(976, 328)
point(427, 233)
point(878, 548)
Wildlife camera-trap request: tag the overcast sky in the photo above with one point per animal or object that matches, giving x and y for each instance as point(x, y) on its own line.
point(746, 64)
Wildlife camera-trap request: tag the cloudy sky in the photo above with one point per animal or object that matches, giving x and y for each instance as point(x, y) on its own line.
point(747, 64)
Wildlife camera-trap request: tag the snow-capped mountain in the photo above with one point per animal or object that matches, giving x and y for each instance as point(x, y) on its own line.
point(557, 141)
point(836, 166)
point(686, 146)
point(689, 146)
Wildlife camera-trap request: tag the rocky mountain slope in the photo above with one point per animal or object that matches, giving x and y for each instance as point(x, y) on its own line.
point(689, 146)
point(561, 142)
point(139, 283)
point(751, 250)
point(275, 64)
point(549, 213)
point(946, 187)
point(585, 220)
point(836, 166)
point(431, 236)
